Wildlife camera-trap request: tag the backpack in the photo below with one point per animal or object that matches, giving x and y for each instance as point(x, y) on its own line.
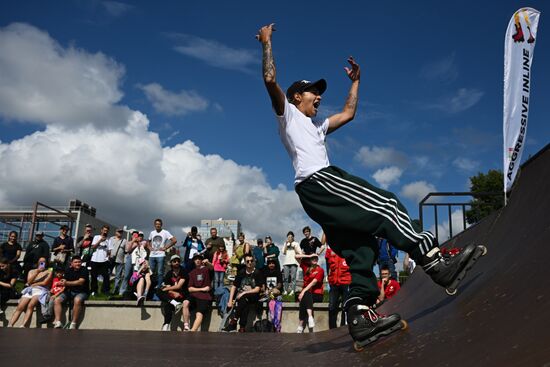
point(263, 326)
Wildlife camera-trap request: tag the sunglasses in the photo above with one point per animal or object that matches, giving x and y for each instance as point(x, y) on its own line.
point(249, 261)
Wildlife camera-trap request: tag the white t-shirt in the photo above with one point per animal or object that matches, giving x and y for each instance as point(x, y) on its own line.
point(292, 249)
point(304, 140)
point(158, 239)
point(101, 253)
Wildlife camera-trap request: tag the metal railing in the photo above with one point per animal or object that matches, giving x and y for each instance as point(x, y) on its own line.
point(449, 206)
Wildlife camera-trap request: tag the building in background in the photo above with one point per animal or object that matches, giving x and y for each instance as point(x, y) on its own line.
point(26, 221)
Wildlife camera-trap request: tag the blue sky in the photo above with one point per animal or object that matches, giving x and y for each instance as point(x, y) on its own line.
point(206, 145)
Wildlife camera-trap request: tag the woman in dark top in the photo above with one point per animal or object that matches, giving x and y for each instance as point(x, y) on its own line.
point(7, 283)
point(11, 251)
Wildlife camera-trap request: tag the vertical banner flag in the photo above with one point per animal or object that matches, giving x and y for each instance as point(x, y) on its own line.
point(519, 47)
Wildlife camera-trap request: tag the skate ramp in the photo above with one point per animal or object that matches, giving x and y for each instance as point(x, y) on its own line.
point(500, 316)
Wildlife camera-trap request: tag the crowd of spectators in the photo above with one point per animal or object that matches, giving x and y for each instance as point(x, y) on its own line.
point(245, 283)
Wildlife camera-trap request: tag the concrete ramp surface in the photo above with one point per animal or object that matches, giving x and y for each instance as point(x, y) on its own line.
point(500, 316)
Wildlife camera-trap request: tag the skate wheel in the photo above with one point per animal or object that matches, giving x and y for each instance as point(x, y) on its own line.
point(483, 250)
point(404, 325)
point(451, 292)
point(357, 347)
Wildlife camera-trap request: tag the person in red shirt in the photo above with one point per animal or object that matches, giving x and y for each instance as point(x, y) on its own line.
point(200, 297)
point(388, 286)
point(339, 279)
point(312, 292)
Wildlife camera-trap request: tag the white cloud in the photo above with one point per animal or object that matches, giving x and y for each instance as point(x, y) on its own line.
point(416, 191)
point(42, 82)
point(462, 100)
point(173, 104)
point(387, 176)
point(380, 156)
point(466, 164)
point(443, 229)
point(444, 70)
point(124, 171)
point(216, 54)
point(116, 8)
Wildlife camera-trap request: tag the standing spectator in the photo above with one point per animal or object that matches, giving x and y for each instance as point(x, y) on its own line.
point(311, 293)
point(34, 251)
point(213, 243)
point(36, 292)
point(258, 252)
point(100, 261)
point(387, 285)
point(117, 260)
point(76, 285)
point(271, 251)
point(172, 292)
point(309, 245)
point(129, 261)
point(11, 251)
point(244, 293)
point(142, 280)
point(193, 245)
point(387, 257)
point(8, 277)
point(220, 261)
point(240, 248)
point(139, 252)
point(157, 246)
point(408, 264)
point(84, 245)
point(291, 248)
point(273, 280)
point(339, 279)
point(63, 246)
point(200, 297)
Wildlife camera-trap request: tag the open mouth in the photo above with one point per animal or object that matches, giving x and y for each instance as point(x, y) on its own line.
point(316, 105)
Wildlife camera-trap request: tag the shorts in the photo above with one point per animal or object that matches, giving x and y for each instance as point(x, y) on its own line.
point(199, 305)
point(34, 292)
point(70, 295)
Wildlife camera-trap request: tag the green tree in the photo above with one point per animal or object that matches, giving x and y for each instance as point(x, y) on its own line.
point(482, 206)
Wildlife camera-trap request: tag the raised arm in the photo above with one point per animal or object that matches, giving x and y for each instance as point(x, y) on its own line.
point(268, 68)
point(348, 112)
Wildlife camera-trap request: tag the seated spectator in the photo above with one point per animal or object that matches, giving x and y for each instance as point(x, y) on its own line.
point(273, 280)
point(11, 251)
point(387, 257)
point(8, 277)
point(77, 288)
point(117, 259)
point(57, 288)
point(129, 260)
point(244, 293)
point(220, 261)
point(200, 297)
point(63, 247)
point(408, 265)
point(141, 279)
point(35, 250)
point(291, 248)
point(37, 291)
point(312, 292)
point(388, 286)
point(172, 292)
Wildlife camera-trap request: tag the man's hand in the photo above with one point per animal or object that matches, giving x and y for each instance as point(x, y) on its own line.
point(355, 72)
point(264, 34)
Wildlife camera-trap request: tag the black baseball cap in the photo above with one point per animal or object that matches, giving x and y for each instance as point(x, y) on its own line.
point(301, 86)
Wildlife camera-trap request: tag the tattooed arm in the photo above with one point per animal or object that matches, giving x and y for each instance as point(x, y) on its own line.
point(268, 68)
point(348, 113)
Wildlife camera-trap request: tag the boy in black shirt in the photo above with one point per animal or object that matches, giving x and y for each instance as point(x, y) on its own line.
point(172, 293)
point(77, 288)
point(245, 293)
